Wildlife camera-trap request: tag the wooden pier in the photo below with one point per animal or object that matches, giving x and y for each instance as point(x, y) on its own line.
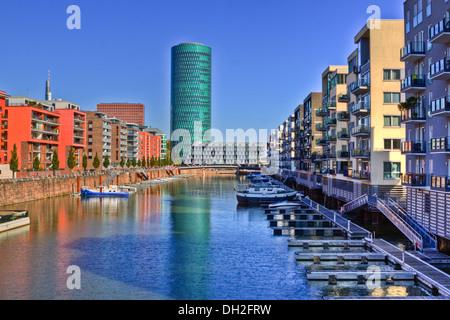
point(317, 257)
point(361, 277)
point(327, 243)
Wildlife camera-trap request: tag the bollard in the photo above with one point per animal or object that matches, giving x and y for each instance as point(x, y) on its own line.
point(340, 260)
point(326, 246)
point(316, 260)
point(361, 279)
point(332, 279)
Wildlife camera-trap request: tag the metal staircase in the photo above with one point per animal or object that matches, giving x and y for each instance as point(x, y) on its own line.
point(110, 179)
point(417, 234)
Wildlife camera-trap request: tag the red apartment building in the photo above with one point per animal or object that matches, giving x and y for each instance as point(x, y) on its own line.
point(38, 129)
point(149, 145)
point(127, 112)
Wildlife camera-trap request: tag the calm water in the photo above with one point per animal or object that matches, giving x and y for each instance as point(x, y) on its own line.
point(183, 240)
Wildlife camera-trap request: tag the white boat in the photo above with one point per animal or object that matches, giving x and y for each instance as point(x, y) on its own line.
point(284, 205)
point(11, 219)
point(262, 193)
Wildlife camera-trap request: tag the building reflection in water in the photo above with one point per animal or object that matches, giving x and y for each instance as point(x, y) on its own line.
point(190, 213)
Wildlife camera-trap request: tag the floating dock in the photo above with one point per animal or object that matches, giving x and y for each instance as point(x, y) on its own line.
point(361, 277)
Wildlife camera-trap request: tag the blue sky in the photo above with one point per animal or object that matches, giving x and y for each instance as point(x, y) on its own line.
point(267, 54)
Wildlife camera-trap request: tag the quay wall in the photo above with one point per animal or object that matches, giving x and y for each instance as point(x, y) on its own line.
point(23, 191)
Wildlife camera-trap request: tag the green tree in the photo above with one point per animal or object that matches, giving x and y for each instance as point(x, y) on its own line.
point(148, 163)
point(55, 161)
point(122, 162)
point(139, 163)
point(36, 164)
point(106, 162)
point(96, 162)
point(71, 161)
point(14, 162)
point(85, 162)
point(133, 162)
point(128, 163)
point(152, 162)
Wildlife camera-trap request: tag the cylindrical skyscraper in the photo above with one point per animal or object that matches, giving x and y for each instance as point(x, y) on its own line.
point(190, 99)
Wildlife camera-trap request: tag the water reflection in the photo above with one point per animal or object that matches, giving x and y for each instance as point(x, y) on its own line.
point(184, 240)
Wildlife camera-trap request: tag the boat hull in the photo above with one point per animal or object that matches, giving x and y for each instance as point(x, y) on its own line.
point(249, 198)
point(90, 193)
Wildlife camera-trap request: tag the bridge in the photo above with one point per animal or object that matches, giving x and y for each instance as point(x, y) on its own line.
point(222, 167)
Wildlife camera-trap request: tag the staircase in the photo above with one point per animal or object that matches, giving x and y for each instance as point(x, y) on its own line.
point(110, 179)
point(398, 216)
point(142, 174)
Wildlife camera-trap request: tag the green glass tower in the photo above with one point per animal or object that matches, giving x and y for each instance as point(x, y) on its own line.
point(190, 101)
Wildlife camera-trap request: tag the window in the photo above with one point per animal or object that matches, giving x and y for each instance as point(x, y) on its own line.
point(391, 170)
point(392, 144)
point(391, 74)
point(391, 97)
point(392, 121)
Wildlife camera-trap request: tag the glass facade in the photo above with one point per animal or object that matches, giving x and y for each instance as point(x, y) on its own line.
point(190, 105)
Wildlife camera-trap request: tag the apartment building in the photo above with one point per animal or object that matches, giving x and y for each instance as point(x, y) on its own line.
point(72, 131)
point(35, 129)
point(163, 139)
point(426, 113)
point(119, 141)
point(127, 112)
point(98, 137)
point(371, 130)
point(132, 141)
point(149, 145)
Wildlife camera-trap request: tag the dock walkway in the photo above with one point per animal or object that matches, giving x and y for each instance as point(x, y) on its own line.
point(434, 278)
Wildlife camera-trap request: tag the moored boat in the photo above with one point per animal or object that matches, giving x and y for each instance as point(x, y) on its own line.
point(284, 205)
point(111, 191)
point(11, 219)
point(261, 193)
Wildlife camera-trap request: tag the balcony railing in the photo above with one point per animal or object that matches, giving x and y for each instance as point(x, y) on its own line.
point(322, 112)
point(361, 175)
point(360, 153)
point(440, 144)
point(413, 83)
point(361, 130)
point(330, 122)
point(360, 107)
point(343, 116)
point(360, 86)
point(440, 70)
point(412, 147)
point(415, 114)
point(321, 127)
point(343, 154)
point(343, 135)
point(344, 97)
point(440, 183)
point(412, 51)
point(440, 106)
point(414, 180)
point(440, 32)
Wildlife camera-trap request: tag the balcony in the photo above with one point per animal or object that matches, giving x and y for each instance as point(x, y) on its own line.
point(329, 138)
point(330, 122)
point(322, 112)
point(344, 97)
point(343, 154)
point(321, 127)
point(361, 175)
point(321, 142)
point(343, 135)
point(414, 147)
point(414, 180)
point(440, 70)
point(440, 183)
point(343, 116)
point(329, 105)
point(440, 32)
point(361, 130)
point(415, 114)
point(330, 155)
point(360, 108)
point(440, 145)
point(361, 153)
point(413, 51)
point(440, 106)
point(413, 83)
point(360, 86)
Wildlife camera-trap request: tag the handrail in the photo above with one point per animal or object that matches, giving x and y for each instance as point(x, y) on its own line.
point(398, 221)
point(360, 201)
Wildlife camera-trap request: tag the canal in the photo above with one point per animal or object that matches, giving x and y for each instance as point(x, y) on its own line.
point(183, 240)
